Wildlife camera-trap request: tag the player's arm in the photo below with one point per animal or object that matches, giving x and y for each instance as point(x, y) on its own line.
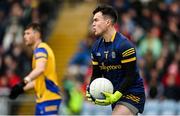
point(29, 86)
point(41, 61)
point(128, 61)
point(96, 73)
point(41, 57)
point(37, 71)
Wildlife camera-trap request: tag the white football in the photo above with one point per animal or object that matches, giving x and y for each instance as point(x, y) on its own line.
point(100, 85)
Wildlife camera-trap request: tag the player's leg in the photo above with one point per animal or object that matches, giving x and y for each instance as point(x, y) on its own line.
point(129, 104)
point(124, 110)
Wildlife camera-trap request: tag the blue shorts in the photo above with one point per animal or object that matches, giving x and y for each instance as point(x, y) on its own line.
point(48, 107)
point(134, 101)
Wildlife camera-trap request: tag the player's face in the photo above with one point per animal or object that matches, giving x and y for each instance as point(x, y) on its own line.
point(99, 25)
point(29, 36)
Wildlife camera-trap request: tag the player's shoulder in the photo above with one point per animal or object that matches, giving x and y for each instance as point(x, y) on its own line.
point(125, 43)
point(122, 43)
point(43, 45)
point(96, 44)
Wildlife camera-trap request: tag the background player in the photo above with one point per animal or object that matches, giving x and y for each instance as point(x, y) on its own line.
point(43, 77)
point(112, 49)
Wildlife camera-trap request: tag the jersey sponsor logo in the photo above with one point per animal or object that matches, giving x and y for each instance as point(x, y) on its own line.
point(110, 67)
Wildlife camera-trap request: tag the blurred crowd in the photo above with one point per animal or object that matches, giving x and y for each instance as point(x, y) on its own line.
point(15, 15)
point(154, 27)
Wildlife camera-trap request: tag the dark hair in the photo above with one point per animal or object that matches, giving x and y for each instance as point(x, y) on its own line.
point(35, 27)
point(107, 10)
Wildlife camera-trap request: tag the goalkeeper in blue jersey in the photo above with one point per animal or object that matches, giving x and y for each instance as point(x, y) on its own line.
point(114, 58)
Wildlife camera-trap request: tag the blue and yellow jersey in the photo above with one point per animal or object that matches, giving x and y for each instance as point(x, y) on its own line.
point(112, 59)
point(46, 85)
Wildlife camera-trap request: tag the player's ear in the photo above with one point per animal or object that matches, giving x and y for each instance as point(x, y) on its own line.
point(108, 22)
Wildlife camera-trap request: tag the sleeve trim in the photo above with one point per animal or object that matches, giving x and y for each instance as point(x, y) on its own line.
point(127, 51)
point(40, 57)
point(40, 50)
point(128, 60)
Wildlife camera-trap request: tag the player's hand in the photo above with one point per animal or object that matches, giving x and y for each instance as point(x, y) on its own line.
point(110, 98)
point(89, 96)
point(17, 90)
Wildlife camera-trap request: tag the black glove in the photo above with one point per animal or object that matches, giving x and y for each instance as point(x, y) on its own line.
point(16, 90)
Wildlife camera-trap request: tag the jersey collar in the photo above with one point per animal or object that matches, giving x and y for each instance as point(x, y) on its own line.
point(113, 37)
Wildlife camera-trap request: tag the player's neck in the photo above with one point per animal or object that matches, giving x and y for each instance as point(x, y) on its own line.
point(108, 34)
point(36, 44)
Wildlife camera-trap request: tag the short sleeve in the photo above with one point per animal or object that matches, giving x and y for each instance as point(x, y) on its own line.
point(128, 53)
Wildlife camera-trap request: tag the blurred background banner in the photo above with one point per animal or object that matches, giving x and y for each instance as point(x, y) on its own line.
point(152, 25)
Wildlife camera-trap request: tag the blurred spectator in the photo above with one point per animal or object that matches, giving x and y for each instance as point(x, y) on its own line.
point(171, 81)
point(127, 26)
point(73, 95)
point(3, 81)
point(27, 10)
point(151, 43)
point(10, 63)
point(13, 78)
point(82, 57)
point(120, 5)
point(2, 26)
point(145, 20)
point(172, 77)
point(155, 87)
point(14, 31)
point(138, 35)
point(23, 62)
point(173, 30)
